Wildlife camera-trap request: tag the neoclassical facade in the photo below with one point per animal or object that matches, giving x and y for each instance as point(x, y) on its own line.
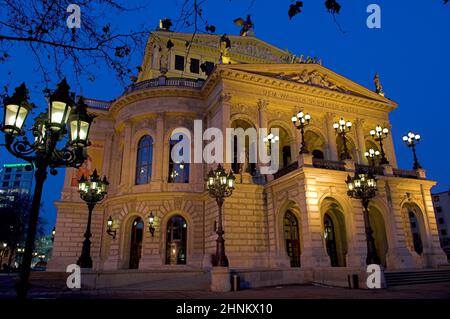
point(297, 225)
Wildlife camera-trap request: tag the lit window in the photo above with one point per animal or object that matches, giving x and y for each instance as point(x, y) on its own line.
point(178, 172)
point(144, 160)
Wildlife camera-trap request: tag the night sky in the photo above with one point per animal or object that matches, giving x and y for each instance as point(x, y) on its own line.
point(411, 53)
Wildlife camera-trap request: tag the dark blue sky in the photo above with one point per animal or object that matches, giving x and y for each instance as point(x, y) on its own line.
point(411, 52)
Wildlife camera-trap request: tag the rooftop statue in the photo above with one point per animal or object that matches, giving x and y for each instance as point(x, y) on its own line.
point(247, 26)
point(378, 86)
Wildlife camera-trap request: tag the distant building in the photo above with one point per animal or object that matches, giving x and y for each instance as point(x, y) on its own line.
point(15, 179)
point(441, 203)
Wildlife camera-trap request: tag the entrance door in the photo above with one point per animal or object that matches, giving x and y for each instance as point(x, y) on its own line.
point(137, 232)
point(292, 239)
point(176, 241)
point(330, 240)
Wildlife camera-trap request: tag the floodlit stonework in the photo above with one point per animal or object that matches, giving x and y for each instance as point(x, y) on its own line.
point(274, 225)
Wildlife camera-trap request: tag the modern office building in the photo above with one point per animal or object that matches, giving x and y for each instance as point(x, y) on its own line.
point(441, 203)
point(15, 179)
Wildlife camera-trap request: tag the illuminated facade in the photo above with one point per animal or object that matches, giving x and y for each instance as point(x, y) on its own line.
point(297, 225)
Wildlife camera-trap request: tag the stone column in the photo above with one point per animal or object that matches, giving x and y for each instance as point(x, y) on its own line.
point(127, 160)
point(158, 151)
point(225, 103)
point(262, 123)
point(313, 254)
point(398, 255)
point(389, 147)
point(361, 142)
point(331, 136)
point(433, 253)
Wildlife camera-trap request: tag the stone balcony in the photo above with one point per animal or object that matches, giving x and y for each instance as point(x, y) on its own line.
point(164, 81)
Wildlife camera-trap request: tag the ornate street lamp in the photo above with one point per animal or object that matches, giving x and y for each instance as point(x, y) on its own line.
point(411, 139)
point(151, 224)
point(43, 152)
point(92, 190)
point(364, 187)
point(372, 156)
point(53, 234)
point(342, 128)
point(300, 121)
point(270, 139)
point(379, 134)
point(17, 109)
point(220, 185)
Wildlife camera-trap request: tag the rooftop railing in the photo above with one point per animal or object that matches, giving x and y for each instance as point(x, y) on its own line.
point(163, 81)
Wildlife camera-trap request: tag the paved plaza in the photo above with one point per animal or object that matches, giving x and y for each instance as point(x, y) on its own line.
point(423, 291)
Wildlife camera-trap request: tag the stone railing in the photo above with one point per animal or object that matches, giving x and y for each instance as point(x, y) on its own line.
point(97, 104)
point(163, 81)
point(286, 170)
point(405, 173)
point(326, 164)
point(365, 169)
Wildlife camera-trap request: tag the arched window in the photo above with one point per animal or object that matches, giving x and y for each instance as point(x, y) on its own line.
point(176, 241)
point(292, 238)
point(178, 171)
point(144, 160)
point(415, 231)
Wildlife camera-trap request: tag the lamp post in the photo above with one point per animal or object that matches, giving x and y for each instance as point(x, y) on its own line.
point(342, 128)
point(411, 139)
point(300, 121)
point(220, 185)
point(49, 130)
point(371, 156)
point(4, 246)
point(379, 134)
point(364, 187)
point(53, 234)
point(269, 140)
point(92, 190)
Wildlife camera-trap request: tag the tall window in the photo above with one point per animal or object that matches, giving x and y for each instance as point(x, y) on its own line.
point(195, 66)
point(178, 170)
point(144, 160)
point(179, 62)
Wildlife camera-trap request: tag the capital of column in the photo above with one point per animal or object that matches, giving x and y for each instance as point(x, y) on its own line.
point(262, 105)
point(225, 97)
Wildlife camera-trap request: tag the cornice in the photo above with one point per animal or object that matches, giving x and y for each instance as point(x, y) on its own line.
point(297, 89)
point(154, 92)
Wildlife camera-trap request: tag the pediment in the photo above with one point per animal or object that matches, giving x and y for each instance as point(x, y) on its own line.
point(313, 75)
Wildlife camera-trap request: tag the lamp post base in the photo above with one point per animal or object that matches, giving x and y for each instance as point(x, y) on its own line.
point(85, 262)
point(220, 279)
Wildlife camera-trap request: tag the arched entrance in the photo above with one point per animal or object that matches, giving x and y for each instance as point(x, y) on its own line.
point(379, 233)
point(176, 241)
point(334, 232)
point(137, 232)
point(415, 231)
point(292, 238)
point(315, 144)
point(330, 240)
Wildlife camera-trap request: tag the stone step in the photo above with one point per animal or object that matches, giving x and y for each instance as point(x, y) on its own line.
point(416, 277)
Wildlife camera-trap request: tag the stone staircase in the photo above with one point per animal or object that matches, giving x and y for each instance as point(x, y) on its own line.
point(414, 277)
